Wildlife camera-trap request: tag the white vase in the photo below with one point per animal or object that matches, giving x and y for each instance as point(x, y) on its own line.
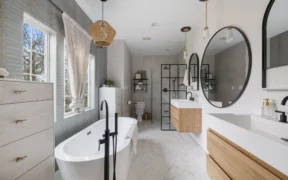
point(3, 73)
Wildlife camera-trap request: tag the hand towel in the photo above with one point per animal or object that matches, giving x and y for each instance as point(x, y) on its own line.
point(186, 76)
point(133, 135)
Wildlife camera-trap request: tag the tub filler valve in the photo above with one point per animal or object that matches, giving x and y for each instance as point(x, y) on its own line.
point(101, 141)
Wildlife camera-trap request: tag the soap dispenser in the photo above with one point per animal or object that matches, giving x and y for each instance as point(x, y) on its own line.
point(268, 109)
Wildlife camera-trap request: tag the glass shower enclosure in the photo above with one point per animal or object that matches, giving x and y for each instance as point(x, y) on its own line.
point(172, 87)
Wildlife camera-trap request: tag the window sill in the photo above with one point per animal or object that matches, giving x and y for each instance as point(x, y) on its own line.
point(71, 114)
point(88, 109)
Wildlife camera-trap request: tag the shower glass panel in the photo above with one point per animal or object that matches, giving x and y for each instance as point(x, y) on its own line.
point(172, 76)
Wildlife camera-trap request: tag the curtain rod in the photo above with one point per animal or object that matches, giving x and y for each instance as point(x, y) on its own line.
point(56, 6)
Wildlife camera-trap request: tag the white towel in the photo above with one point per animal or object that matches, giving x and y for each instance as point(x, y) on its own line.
point(133, 134)
point(185, 81)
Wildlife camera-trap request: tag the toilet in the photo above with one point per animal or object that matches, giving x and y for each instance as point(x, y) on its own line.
point(139, 110)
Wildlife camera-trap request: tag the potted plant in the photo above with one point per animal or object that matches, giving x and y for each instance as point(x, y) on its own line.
point(109, 83)
point(3, 72)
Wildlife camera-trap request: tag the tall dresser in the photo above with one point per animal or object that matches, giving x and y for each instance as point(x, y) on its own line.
point(113, 97)
point(26, 131)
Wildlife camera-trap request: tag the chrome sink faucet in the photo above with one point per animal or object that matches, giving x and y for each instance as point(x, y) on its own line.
point(191, 97)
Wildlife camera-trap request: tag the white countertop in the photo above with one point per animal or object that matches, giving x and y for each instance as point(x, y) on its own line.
point(261, 137)
point(184, 103)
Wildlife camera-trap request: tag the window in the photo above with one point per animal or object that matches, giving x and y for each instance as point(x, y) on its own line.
point(35, 45)
point(89, 86)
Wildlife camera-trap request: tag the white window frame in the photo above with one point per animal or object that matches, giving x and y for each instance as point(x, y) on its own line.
point(91, 87)
point(45, 54)
point(27, 18)
point(91, 83)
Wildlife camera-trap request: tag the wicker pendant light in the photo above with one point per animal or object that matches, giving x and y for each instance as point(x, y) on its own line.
point(102, 32)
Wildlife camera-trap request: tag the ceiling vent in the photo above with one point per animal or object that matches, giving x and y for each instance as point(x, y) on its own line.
point(147, 38)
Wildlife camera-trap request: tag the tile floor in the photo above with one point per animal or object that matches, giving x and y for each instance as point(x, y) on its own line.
point(167, 156)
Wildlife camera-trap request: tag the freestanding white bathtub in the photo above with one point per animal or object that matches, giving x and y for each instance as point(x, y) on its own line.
point(78, 157)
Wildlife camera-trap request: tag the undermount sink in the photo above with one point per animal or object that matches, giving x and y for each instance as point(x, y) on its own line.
point(270, 129)
point(184, 103)
point(261, 137)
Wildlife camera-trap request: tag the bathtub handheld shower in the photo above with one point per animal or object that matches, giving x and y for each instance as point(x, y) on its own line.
point(106, 141)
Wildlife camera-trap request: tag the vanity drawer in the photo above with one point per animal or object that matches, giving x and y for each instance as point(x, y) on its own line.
point(235, 163)
point(174, 112)
point(43, 171)
point(214, 171)
point(17, 92)
point(33, 150)
point(36, 117)
point(175, 122)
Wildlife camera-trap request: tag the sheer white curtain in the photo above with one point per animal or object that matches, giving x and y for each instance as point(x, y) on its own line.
point(78, 49)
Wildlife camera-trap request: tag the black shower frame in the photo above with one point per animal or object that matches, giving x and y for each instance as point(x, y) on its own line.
point(177, 91)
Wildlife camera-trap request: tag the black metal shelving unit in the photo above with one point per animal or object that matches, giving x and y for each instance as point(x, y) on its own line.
point(168, 76)
point(136, 81)
point(206, 80)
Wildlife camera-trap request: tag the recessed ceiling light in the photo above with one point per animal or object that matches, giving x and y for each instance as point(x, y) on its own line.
point(154, 24)
point(147, 38)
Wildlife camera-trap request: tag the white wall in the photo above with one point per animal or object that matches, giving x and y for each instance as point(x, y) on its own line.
point(248, 16)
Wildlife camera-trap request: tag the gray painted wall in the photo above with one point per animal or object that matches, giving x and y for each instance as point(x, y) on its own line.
point(12, 58)
point(152, 65)
point(210, 59)
point(230, 70)
point(278, 50)
point(119, 70)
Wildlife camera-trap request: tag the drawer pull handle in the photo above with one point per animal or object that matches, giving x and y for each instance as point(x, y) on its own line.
point(20, 158)
point(19, 92)
point(20, 121)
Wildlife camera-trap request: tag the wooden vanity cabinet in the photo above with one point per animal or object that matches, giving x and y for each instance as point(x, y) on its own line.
point(186, 120)
point(228, 160)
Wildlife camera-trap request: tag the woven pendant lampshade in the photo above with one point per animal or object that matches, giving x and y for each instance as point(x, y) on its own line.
point(102, 33)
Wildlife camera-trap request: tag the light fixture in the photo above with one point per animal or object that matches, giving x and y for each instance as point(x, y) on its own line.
point(206, 33)
point(229, 35)
point(102, 32)
point(186, 54)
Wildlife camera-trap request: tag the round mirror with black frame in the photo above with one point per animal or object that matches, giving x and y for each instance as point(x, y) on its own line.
point(193, 72)
point(226, 67)
point(275, 43)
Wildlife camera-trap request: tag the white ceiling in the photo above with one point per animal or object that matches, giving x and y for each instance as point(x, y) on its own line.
point(133, 20)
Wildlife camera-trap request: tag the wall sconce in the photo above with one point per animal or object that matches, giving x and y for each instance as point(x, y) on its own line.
point(206, 33)
point(185, 30)
point(229, 35)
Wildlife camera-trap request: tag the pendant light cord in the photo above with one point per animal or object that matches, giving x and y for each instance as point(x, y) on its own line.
point(185, 41)
point(206, 18)
point(102, 10)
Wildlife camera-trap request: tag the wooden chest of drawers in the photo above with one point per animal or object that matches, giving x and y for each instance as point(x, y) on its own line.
point(26, 131)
